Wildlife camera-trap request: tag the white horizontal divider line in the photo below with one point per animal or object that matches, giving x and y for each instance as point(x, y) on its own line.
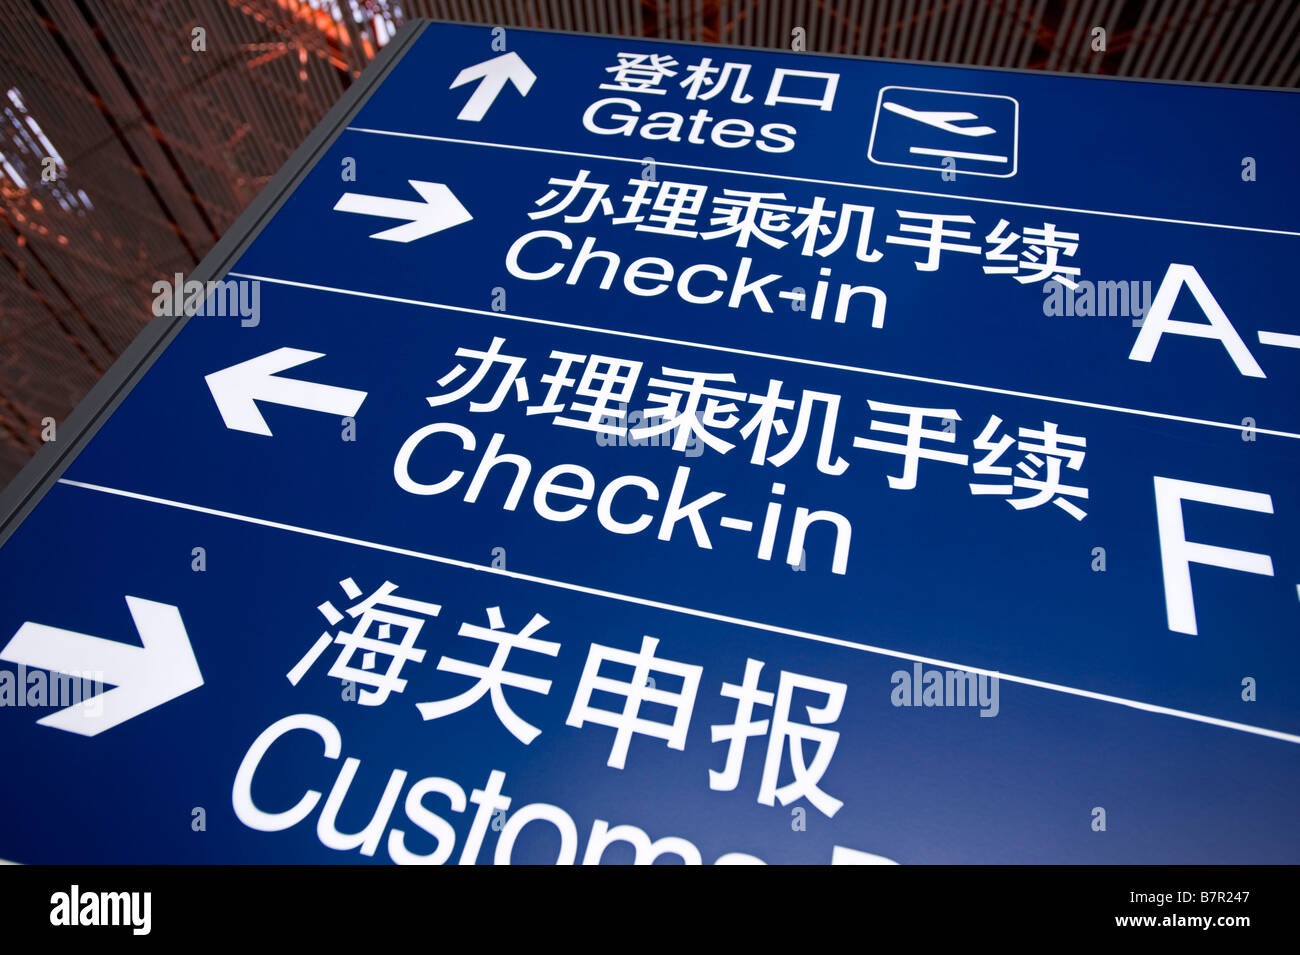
point(822, 182)
point(813, 362)
point(692, 612)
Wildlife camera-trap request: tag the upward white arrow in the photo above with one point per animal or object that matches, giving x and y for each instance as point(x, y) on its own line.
point(237, 389)
point(494, 74)
point(143, 677)
point(438, 209)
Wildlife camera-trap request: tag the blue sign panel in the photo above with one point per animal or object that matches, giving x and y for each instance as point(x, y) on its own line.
point(617, 450)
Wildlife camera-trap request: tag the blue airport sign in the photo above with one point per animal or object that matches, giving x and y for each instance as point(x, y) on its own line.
point(609, 450)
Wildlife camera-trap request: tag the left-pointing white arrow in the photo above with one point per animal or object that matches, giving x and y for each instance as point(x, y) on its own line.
point(142, 677)
point(439, 210)
point(237, 389)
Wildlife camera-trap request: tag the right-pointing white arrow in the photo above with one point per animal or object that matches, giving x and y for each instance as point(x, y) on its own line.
point(237, 389)
point(440, 209)
point(142, 677)
point(494, 74)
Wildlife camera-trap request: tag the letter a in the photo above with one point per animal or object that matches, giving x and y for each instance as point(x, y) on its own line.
point(1157, 321)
